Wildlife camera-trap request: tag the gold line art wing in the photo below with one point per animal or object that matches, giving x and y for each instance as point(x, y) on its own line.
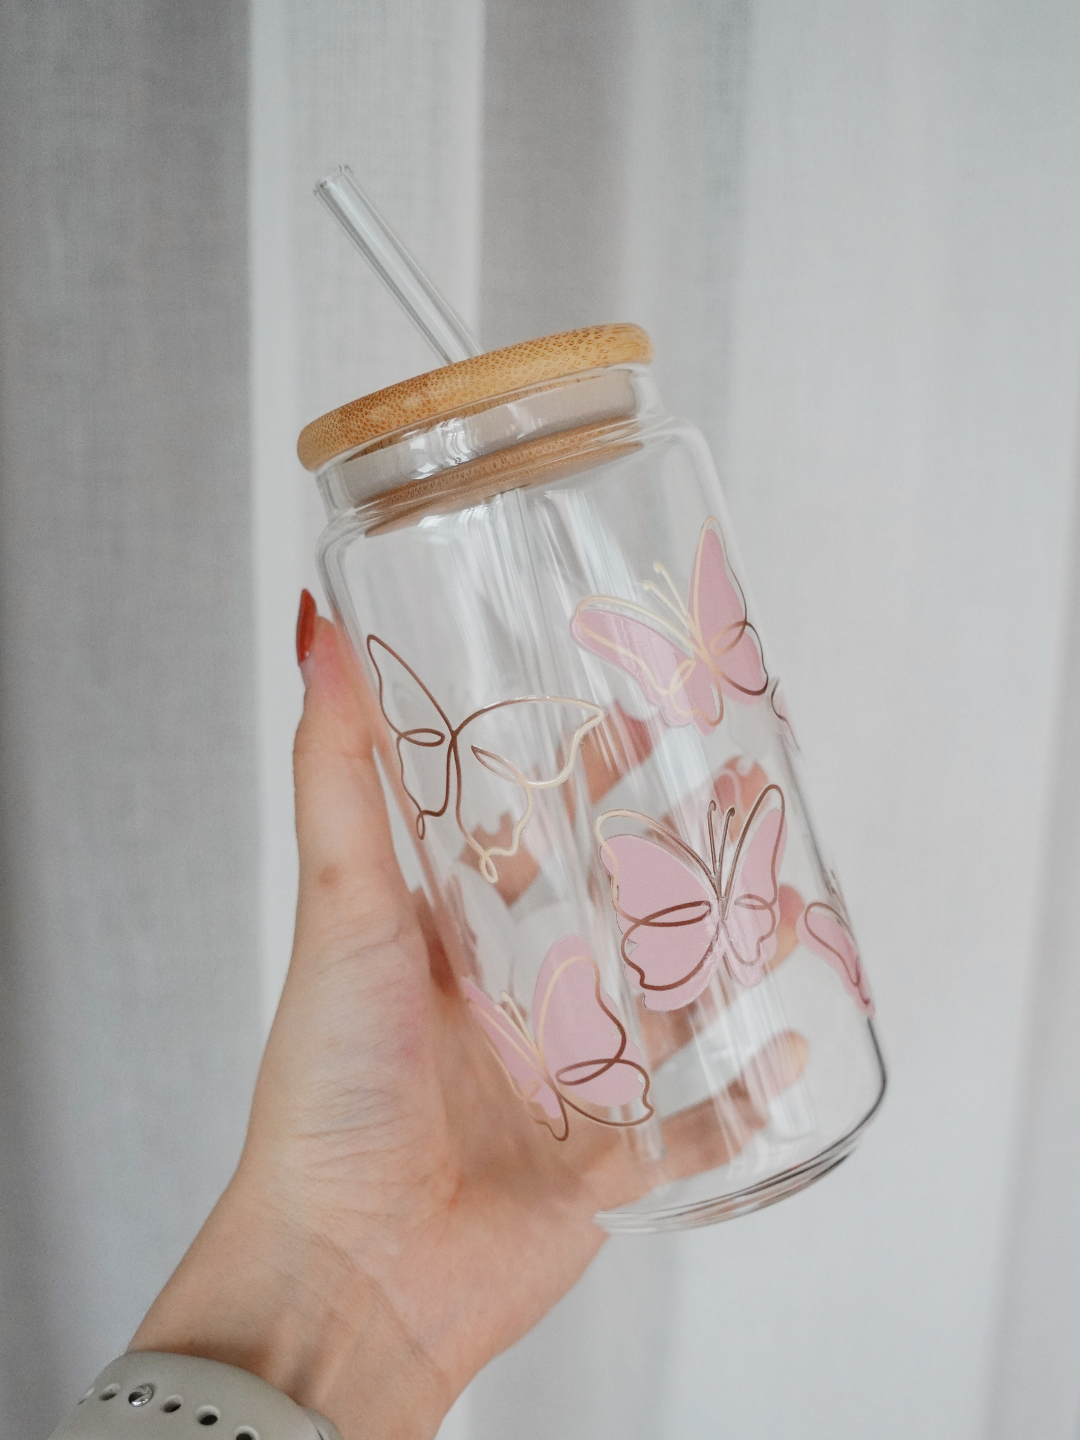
point(752, 891)
point(493, 762)
point(690, 657)
point(678, 919)
point(826, 930)
point(575, 1055)
point(653, 652)
point(666, 906)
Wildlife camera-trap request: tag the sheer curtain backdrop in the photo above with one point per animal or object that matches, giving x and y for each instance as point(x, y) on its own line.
point(129, 895)
point(853, 231)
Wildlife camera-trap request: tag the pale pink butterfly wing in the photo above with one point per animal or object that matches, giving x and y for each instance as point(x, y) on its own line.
point(680, 684)
point(718, 608)
point(583, 1043)
point(824, 931)
point(668, 913)
point(519, 1056)
point(752, 895)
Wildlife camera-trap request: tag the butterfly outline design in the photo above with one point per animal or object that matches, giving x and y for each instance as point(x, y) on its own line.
point(428, 737)
point(504, 1025)
point(778, 705)
point(718, 897)
point(642, 643)
point(840, 950)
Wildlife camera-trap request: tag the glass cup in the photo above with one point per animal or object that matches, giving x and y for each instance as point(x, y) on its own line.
point(574, 706)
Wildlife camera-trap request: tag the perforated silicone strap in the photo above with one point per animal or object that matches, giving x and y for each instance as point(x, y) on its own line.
point(148, 1396)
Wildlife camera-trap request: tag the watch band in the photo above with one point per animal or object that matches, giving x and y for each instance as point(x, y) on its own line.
point(144, 1395)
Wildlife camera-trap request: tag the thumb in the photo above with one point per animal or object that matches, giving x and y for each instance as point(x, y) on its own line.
point(352, 891)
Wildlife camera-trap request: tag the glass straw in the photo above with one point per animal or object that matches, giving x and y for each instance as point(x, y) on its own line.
point(426, 307)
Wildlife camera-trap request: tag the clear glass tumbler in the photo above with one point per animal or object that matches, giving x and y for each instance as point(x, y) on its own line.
point(576, 711)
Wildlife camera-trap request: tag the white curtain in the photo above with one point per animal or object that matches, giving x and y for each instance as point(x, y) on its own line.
point(854, 233)
point(129, 900)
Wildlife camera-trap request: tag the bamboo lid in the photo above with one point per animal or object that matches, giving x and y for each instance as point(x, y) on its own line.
point(483, 377)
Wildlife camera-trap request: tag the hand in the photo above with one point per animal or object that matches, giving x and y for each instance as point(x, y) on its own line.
point(396, 1218)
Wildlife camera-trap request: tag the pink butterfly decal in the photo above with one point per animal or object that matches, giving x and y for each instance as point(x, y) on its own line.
point(679, 918)
point(688, 660)
point(437, 771)
point(826, 930)
point(576, 1056)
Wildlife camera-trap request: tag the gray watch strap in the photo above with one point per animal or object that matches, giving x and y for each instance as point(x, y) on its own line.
point(149, 1396)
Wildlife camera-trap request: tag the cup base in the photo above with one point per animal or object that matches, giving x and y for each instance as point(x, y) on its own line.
point(646, 1217)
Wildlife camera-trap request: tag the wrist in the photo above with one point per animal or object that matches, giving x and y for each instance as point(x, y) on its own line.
point(253, 1293)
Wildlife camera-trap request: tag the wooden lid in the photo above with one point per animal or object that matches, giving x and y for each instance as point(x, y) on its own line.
point(424, 397)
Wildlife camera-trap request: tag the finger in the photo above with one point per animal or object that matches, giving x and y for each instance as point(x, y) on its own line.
point(351, 887)
point(515, 872)
point(665, 1032)
point(606, 754)
point(714, 1131)
point(700, 1138)
point(736, 788)
point(612, 750)
point(442, 972)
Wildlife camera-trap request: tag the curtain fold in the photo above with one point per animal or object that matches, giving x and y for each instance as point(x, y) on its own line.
point(611, 159)
point(1034, 1386)
point(853, 233)
point(902, 429)
point(128, 884)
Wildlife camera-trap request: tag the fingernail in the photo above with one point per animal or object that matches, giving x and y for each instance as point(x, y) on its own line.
point(305, 634)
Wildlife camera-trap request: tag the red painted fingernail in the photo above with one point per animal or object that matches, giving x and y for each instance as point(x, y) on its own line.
point(305, 627)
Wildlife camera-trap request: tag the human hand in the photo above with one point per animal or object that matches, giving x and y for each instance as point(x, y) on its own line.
point(396, 1219)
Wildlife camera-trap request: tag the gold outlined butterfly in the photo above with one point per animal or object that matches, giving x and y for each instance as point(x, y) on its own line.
point(688, 660)
point(682, 916)
point(576, 1054)
point(437, 771)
